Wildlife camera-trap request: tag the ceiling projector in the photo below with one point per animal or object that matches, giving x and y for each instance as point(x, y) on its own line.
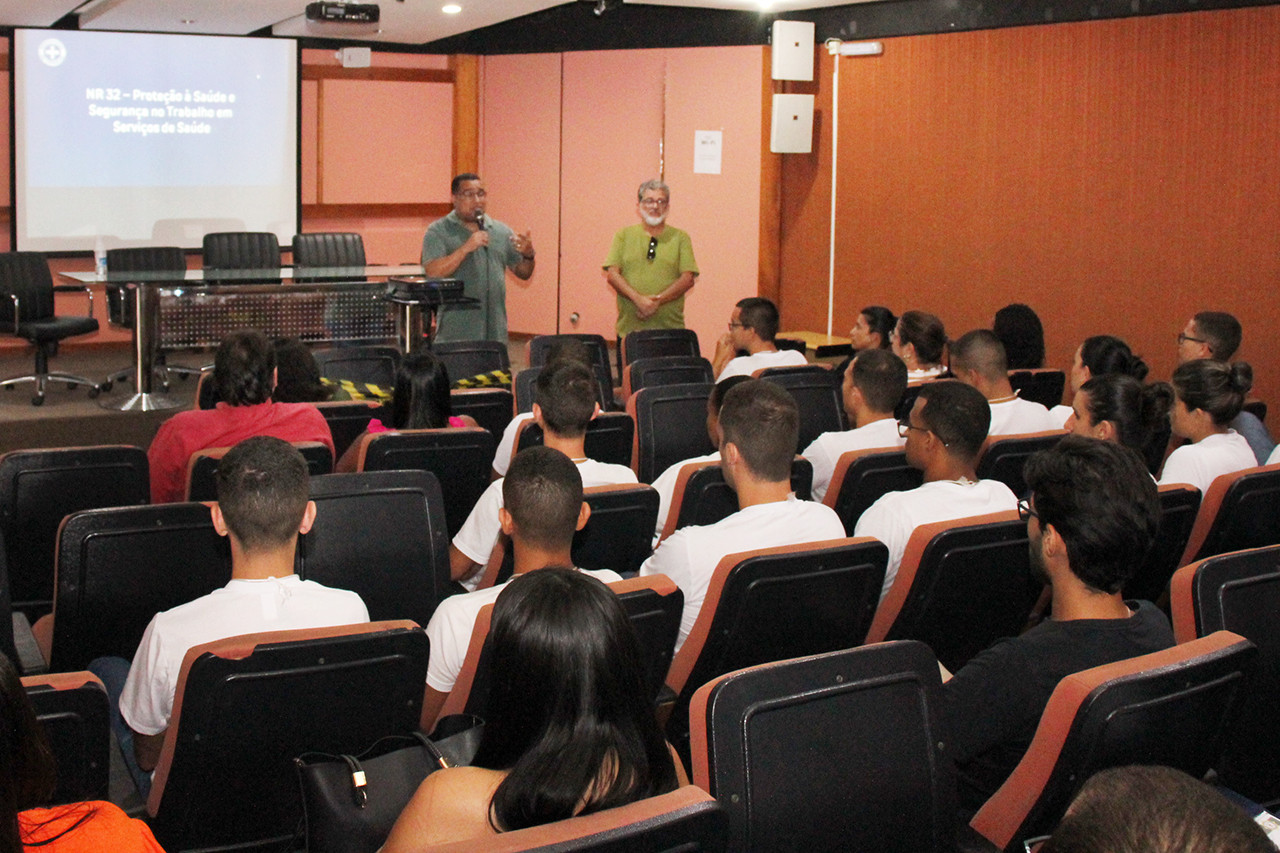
point(344, 13)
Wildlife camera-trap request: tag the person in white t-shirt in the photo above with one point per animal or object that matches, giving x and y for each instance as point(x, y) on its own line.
point(541, 508)
point(753, 326)
point(759, 425)
point(944, 431)
point(665, 484)
point(1207, 395)
point(1099, 355)
point(262, 507)
point(563, 348)
point(1119, 408)
point(919, 339)
point(565, 402)
point(874, 382)
point(978, 359)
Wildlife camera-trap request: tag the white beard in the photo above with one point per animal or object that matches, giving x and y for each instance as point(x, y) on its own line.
point(653, 221)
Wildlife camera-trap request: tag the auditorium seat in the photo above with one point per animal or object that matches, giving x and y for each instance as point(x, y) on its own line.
point(1042, 385)
point(839, 751)
point(609, 438)
point(365, 365)
point(619, 533)
point(382, 535)
point(73, 710)
point(863, 476)
point(816, 390)
point(492, 408)
point(702, 495)
point(669, 427)
point(1003, 456)
point(773, 604)
point(1238, 512)
point(38, 488)
point(465, 359)
point(1179, 504)
point(27, 288)
point(246, 706)
point(665, 370)
point(1169, 708)
point(1240, 592)
point(348, 419)
point(962, 585)
point(656, 343)
point(202, 467)
point(540, 350)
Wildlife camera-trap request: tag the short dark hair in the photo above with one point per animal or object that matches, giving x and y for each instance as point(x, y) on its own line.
point(1101, 499)
point(1019, 328)
point(1137, 410)
point(543, 493)
point(569, 348)
point(925, 332)
point(881, 377)
point(1104, 354)
point(1215, 386)
point(569, 698)
point(565, 391)
point(243, 368)
point(297, 374)
point(456, 183)
point(957, 414)
point(263, 491)
point(762, 421)
point(881, 321)
point(1154, 809)
point(716, 400)
point(760, 315)
point(1221, 332)
point(981, 351)
point(421, 397)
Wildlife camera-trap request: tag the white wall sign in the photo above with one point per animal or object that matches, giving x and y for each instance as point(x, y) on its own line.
point(707, 145)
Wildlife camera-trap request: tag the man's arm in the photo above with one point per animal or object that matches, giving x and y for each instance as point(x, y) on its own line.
point(677, 288)
point(461, 566)
point(523, 244)
point(646, 306)
point(448, 264)
point(725, 353)
point(146, 749)
point(432, 701)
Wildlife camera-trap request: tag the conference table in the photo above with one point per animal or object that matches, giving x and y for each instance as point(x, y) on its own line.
point(198, 308)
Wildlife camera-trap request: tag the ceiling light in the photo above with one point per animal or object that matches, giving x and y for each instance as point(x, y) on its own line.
point(451, 9)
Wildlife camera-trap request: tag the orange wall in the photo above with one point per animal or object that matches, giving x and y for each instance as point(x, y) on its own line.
point(1116, 175)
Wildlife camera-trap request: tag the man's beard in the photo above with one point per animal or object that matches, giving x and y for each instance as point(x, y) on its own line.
point(653, 221)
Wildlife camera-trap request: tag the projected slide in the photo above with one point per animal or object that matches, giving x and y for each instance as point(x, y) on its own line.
point(145, 139)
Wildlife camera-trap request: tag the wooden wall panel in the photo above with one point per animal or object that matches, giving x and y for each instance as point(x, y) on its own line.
point(1117, 175)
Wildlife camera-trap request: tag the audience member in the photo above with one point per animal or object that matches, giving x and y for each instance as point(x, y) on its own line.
point(919, 340)
point(759, 428)
point(978, 359)
point(563, 348)
point(1153, 809)
point(1092, 515)
point(665, 484)
point(874, 383)
point(570, 728)
point(944, 431)
point(244, 373)
point(1099, 355)
point(753, 326)
point(1208, 394)
point(564, 404)
point(262, 507)
point(1018, 327)
point(541, 509)
point(420, 400)
point(1216, 334)
point(298, 375)
point(873, 328)
point(1115, 407)
point(27, 777)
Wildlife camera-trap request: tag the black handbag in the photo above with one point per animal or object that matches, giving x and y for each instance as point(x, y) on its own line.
point(350, 802)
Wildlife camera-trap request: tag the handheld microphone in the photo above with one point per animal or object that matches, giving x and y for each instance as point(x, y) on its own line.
point(480, 221)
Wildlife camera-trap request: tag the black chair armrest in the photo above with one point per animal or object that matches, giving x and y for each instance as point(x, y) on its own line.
point(76, 288)
point(30, 660)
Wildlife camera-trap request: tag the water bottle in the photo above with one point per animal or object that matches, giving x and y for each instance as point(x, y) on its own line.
point(99, 259)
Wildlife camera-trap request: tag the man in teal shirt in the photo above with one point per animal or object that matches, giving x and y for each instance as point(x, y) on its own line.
point(651, 266)
point(468, 245)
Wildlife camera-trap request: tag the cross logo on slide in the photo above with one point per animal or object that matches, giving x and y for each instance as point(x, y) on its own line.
point(52, 52)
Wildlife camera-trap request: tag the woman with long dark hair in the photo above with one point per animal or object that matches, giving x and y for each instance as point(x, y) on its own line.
point(1208, 394)
point(1119, 408)
point(570, 730)
point(919, 339)
point(27, 785)
point(419, 400)
point(1100, 355)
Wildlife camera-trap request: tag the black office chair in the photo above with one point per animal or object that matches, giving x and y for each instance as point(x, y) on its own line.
point(329, 249)
point(120, 305)
point(27, 311)
point(241, 250)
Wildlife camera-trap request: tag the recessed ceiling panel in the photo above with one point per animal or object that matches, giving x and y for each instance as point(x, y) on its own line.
point(34, 13)
point(417, 21)
point(226, 17)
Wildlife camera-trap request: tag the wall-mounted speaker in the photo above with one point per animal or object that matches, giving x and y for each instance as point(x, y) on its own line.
point(792, 128)
point(792, 50)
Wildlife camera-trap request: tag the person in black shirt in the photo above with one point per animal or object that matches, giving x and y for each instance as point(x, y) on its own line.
point(1092, 514)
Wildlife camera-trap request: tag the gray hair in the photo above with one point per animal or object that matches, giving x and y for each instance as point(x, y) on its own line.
point(653, 184)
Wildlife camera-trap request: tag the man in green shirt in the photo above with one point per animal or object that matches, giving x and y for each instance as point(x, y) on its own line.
point(651, 266)
point(468, 245)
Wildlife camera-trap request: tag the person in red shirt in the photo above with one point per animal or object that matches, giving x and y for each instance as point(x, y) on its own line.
point(244, 374)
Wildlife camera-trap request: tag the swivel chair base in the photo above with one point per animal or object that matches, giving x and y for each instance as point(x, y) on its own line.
point(41, 379)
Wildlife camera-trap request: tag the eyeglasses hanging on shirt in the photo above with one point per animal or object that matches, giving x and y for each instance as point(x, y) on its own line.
point(653, 247)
